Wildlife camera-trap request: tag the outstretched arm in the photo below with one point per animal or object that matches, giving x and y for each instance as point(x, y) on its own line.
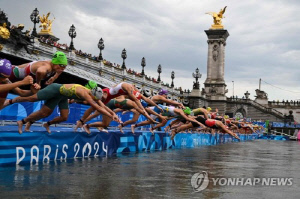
point(52, 79)
point(96, 113)
point(150, 111)
point(168, 101)
point(150, 101)
point(83, 94)
point(180, 112)
point(115, 117)
point(22, 93)
point(10, 86)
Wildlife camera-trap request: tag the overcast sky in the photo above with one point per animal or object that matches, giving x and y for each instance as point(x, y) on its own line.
point(263, 43)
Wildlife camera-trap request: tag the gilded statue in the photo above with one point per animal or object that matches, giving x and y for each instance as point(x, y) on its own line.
point(217, 18)
point(46, 24)
point(4, 32)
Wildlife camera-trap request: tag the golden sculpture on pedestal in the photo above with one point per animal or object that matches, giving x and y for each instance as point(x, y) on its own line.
point(4, 32)
point(217, 19)
point(46, 24)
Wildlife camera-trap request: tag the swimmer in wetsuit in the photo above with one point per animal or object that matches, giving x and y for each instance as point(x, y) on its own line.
point(58, 94)
point(121, 89)
point(168, 112)
point(211, 123)
point(113, 104)
point(41, 70)
point(6, 85)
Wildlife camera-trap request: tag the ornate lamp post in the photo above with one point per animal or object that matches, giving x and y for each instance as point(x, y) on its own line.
point(35, 19)
point(124, 56)
point(159, 71)
point(233, 89)
point(101, 47)
point(197, 75)
point(72, 34)
point(172, 77)
point(143, 64)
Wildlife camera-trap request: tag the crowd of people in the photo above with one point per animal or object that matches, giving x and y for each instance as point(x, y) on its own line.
point(65, 47)
point(157, 109)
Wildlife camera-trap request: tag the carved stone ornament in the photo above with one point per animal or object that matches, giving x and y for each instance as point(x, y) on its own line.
point(261, 94)
point(215, 52)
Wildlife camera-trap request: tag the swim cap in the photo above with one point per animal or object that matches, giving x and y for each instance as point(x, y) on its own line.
point(97, 92)
point(163, 92)
point(144, 104)
point(59, 58)
point(187, 110)
point(5, 67)
point(208, 108)
point(91, 84)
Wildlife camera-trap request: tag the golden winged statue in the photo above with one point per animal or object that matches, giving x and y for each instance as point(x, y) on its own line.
point(4, 32)
point(217, 18)
point(46, 24)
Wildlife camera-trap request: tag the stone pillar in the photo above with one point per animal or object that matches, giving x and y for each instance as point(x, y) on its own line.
point(215, 87)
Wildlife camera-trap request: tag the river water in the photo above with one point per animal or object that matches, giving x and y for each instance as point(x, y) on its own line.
point(163, 174)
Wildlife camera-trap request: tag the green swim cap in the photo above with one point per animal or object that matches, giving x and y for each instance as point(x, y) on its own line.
point(187, 110)
point(59, 58)
point(91, 84)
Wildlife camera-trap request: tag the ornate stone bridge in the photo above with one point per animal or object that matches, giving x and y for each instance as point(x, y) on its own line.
point(88, 69)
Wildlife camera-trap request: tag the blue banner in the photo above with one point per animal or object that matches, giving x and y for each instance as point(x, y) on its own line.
point(41, 147)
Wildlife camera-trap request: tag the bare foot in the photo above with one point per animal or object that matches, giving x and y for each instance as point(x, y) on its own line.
point(132, 128)
point(167, 129)
point(121, 128)
point(6, 103)
point(86, 128)
point(20, 125)
point(27, 126)
point(78, 125)
point(102, 129)
point(46, 125)
point(173, 134)
point(151, 130)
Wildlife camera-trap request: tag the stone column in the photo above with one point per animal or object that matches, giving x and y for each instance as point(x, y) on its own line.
point(215, 87)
